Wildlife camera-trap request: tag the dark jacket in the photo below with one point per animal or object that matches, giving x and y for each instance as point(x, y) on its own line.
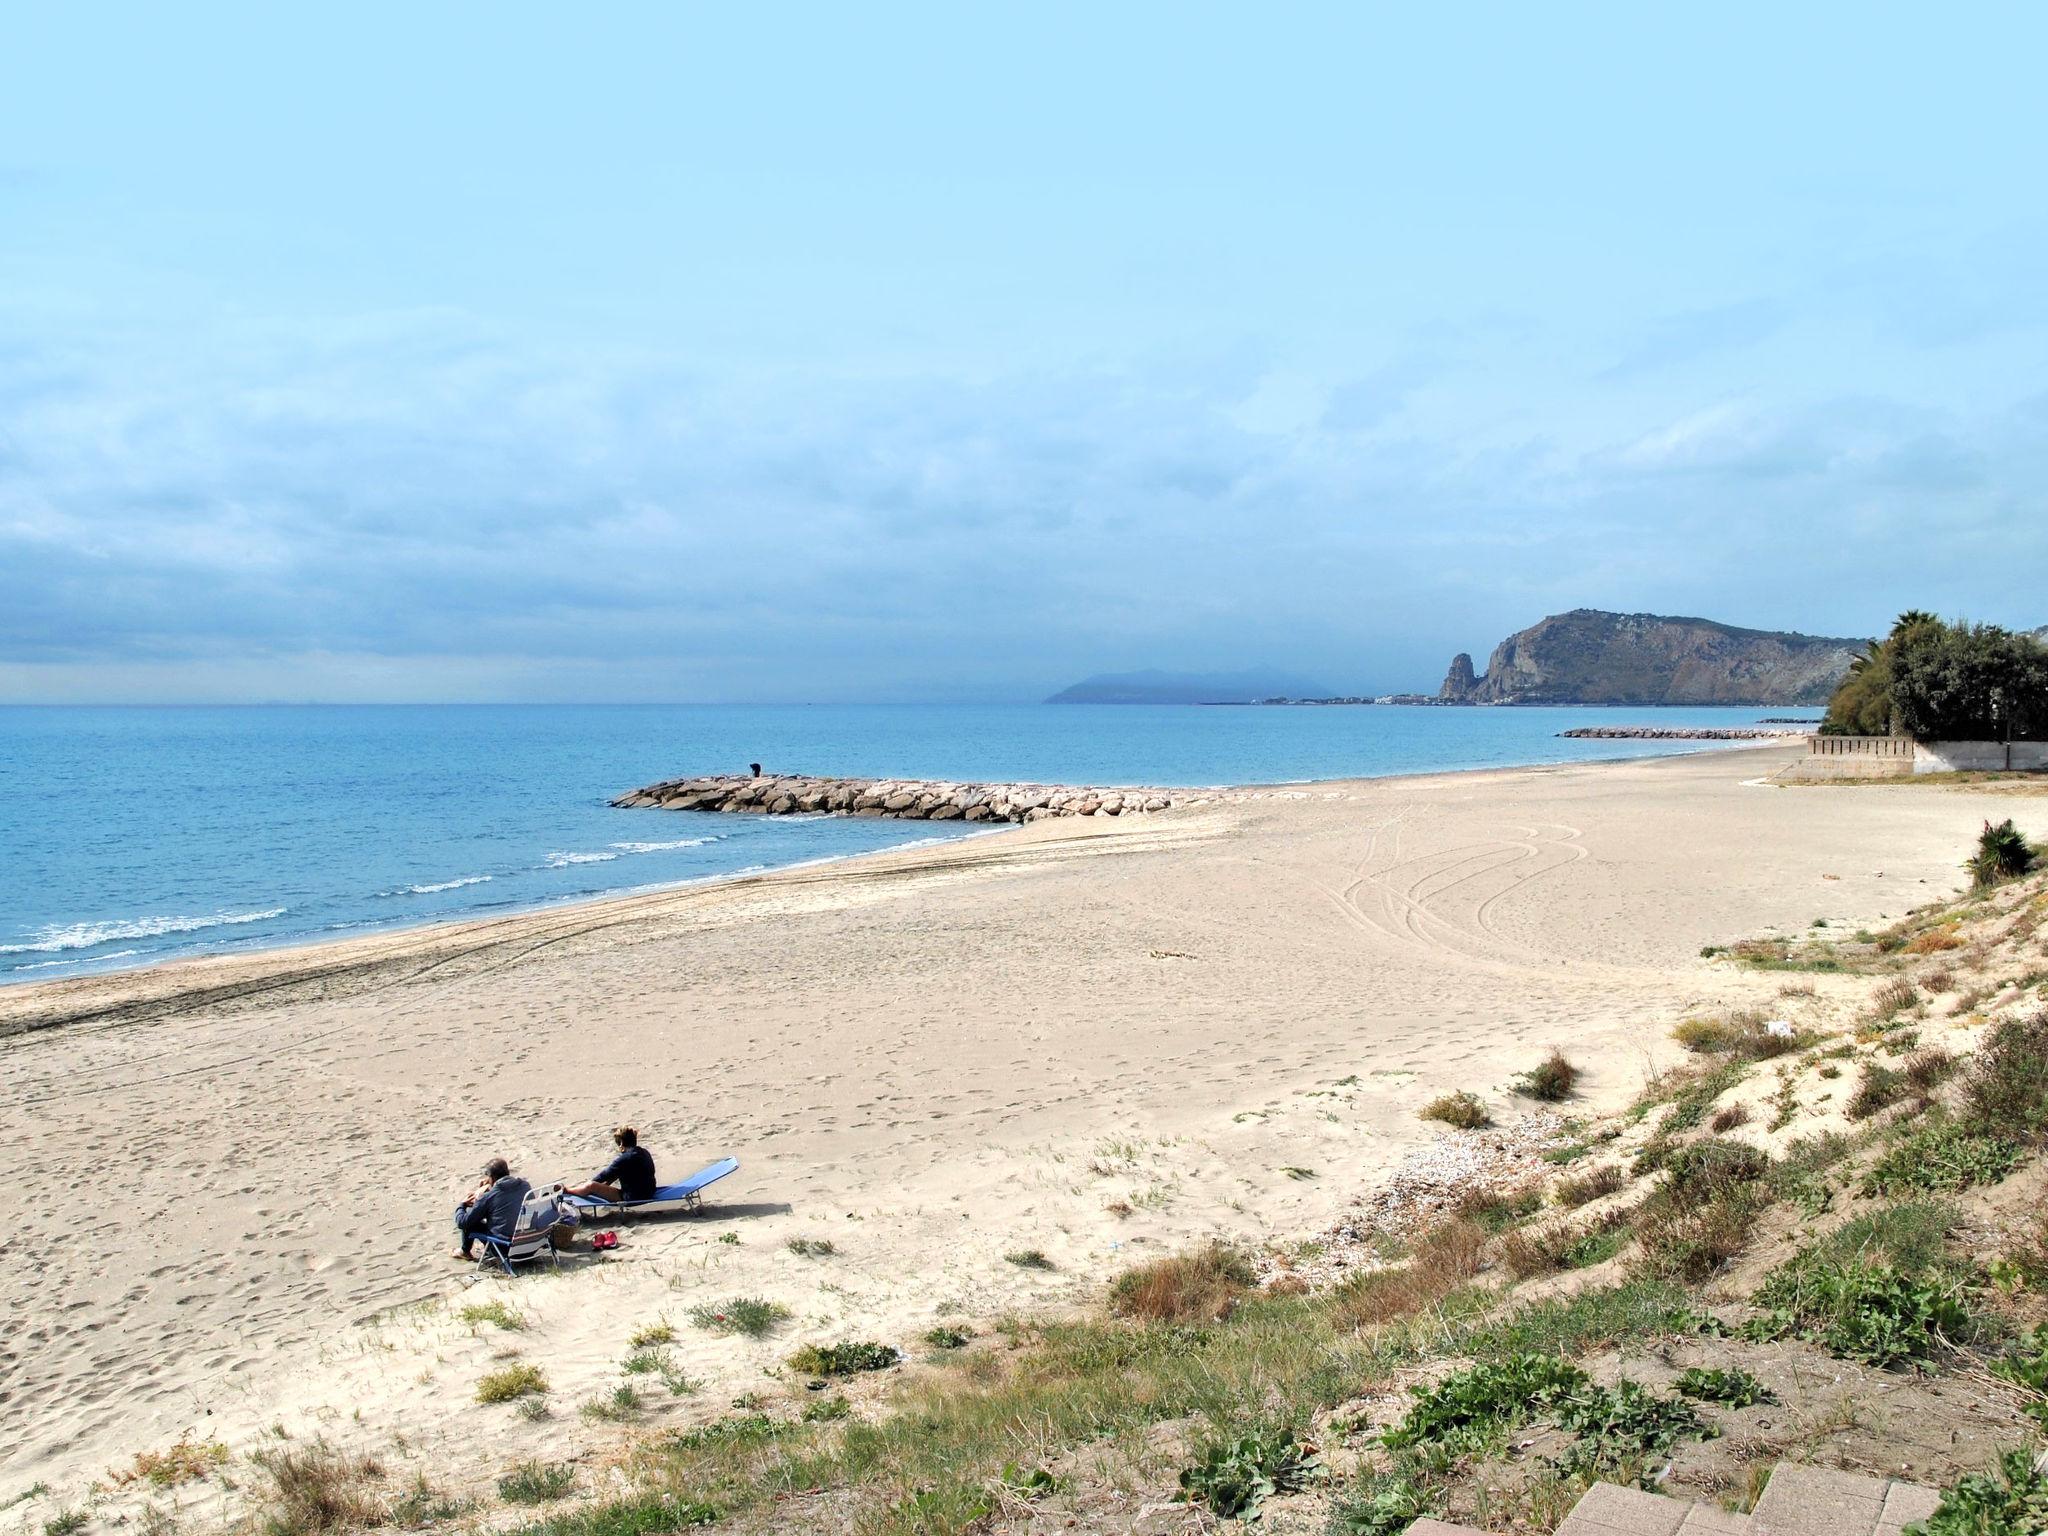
point(503, 1199)
point(632, 1171)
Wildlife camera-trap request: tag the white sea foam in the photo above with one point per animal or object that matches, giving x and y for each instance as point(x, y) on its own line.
point(44, 965)
point(564, 860)
point(438, 885)
point(681, 842)
point(90, 935)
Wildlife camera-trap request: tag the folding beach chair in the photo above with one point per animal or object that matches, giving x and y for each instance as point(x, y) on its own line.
point(531, 1239)
point(670, 1199)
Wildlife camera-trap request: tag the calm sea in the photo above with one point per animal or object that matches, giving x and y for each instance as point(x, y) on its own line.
point(132, 835)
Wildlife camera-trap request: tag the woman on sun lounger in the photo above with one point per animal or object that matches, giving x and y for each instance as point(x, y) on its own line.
point(629, 1176)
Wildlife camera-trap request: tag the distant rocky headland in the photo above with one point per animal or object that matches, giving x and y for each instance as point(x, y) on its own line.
point(903, 799)
point(1156, 687)
point(1590, 657)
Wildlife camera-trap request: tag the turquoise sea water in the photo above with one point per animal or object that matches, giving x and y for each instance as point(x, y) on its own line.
point(132, 835)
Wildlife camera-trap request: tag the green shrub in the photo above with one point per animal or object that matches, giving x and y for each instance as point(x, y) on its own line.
point(532, 1482)
point(1233, 1475)
point(943, 1337)
point(1942, 1159)
point(1734, 1386)
point(1200, 1286)
point(2027, 1365)
point(1551, 1079)
point(1466, 1111)
point(503, 1385)
point(1469, 1408)
point(750, 1315)
point(2001, 854)
point(2011, 1500)
point(1746, 1036)
point(2008, 1092)
point(1617, 1427)
point(843, 1359)
point(1029, 1258)
point(312, 1489)
point(826, 1410)
point(1496, 1210)
point(1380, 1504)
point(653, 1335)
point(1860, 1311)
point(812, 1247)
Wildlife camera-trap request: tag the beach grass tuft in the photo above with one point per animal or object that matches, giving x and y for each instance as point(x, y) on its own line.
point(521, 1379)
point(1463, 1109)
point(754, 1316)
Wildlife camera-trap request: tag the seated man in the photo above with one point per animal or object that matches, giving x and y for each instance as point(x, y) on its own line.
point(492, 1207)
point(629, 1176)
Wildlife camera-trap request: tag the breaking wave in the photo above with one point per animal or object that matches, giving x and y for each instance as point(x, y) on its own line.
point(58, 937)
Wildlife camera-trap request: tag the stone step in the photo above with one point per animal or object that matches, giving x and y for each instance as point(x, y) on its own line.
point(1797, 1501)
point(1607, 1509)
point(1815, 1501)
point(1428, 1527)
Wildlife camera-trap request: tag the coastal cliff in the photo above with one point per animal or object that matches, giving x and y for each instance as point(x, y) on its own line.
point(1590, 657)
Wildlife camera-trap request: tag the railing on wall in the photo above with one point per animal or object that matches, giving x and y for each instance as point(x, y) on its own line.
point(1859, 746)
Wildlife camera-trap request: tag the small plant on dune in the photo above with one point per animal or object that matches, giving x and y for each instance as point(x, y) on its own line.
point(943, 1337)
point(186, 1462)
point(2001, 854)
point(622, 1402)
point(1234, 1474)
point(653, 1335)
point(1029, 1258)
point(1893, 999)
point(498, 1314)
point(2011, 1500)
point(826, 1410)
point(1201, 1286)
point(1877, 1089)
point(1497, 1210)
point(423, 1505)
point(1381, 1504)
point(532, 1482)
point(1942, 1159)
point(1548, 1249)
point(1466, 1111)
point(2026, 1365)
point(646, 1362)
point(1594, 1184)
point(66, 1523)
point(1552, 1079)
point(2007, 1094)
point(512, 1381)
point(843, 1359)
point(1728, 1117)
point(750, 1315)
point(1735, 1387)
point(312, 1489)
point(1746, 1036)
point(812, 1247)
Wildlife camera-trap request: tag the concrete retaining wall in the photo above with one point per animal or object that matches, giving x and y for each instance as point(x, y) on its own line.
point(1980, 756)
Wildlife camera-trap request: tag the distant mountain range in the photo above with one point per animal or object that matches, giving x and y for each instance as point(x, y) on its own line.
point(1590, 657)
point(1156, 687)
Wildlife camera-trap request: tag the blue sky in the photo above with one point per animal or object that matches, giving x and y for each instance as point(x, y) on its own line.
point(672, 353)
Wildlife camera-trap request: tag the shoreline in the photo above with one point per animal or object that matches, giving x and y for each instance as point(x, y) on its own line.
point(234, 977)
point(302, 959)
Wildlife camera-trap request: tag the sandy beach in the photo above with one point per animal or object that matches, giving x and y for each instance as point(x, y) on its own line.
point(1090, 1039)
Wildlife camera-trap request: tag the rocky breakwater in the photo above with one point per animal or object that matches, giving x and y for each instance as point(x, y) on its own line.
point(1678, 733)
point(905, 799)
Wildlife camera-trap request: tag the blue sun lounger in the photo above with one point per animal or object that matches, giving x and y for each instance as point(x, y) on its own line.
point(668, 1200)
